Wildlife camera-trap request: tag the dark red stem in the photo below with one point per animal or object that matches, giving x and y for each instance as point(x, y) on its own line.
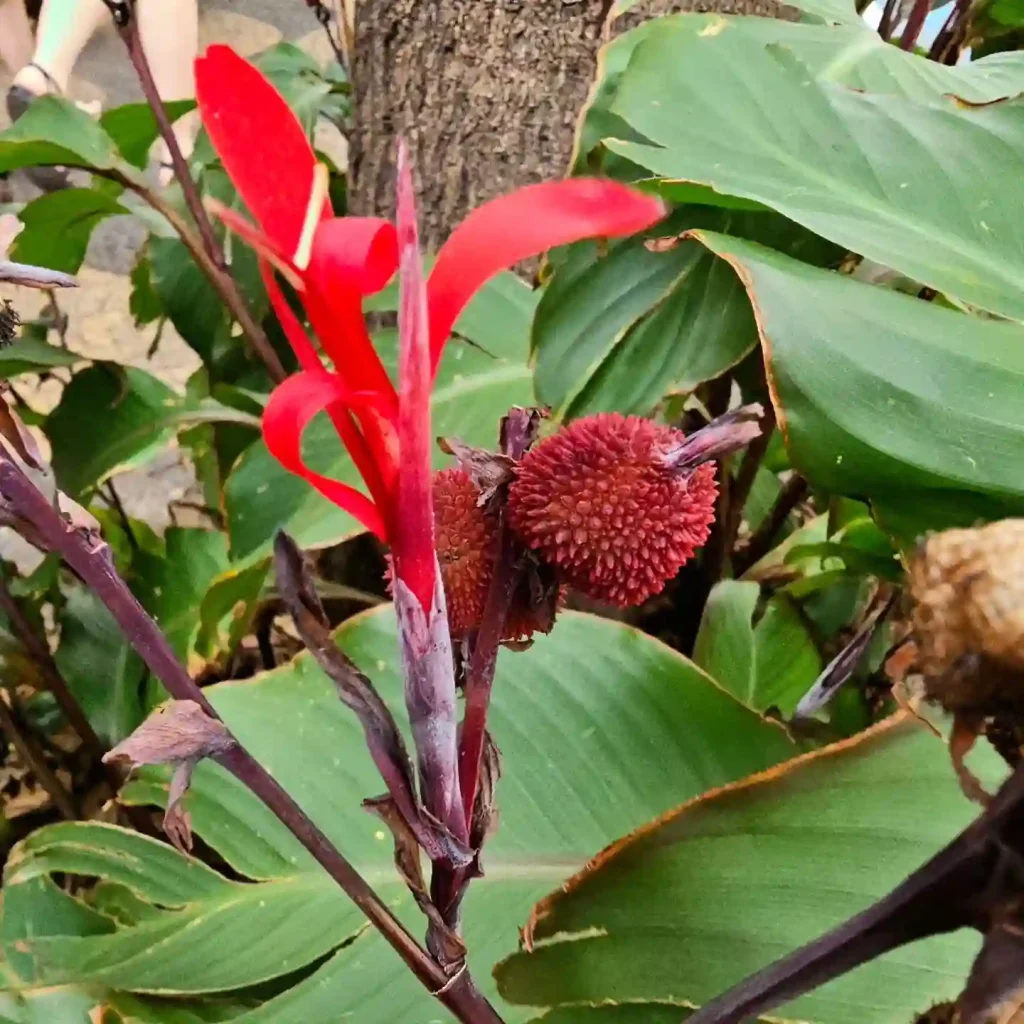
point(482, 662)
point(90, 557)
point(914, 24)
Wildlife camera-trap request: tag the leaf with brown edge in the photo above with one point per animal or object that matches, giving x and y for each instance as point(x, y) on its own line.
point(727, 883)
point(859, 418)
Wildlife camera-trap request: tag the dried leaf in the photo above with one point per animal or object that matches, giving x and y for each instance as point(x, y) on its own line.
point(383, 738)
point(489, 471)
point(843, 665)
point(34, 277)
point(18, 436)
point(720, 437)
point(444, 943)
point(179, 733)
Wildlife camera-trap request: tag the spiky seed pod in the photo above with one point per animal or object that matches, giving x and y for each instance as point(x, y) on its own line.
point(968, 616)
point(464, 540)
point(601, 502)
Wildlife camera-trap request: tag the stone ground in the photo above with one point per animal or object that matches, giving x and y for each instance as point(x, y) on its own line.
point(99, 324)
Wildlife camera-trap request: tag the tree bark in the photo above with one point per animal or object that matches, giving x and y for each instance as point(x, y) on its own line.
point(485, 92)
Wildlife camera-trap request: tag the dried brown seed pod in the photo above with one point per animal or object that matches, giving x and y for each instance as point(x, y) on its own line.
point(968, 616)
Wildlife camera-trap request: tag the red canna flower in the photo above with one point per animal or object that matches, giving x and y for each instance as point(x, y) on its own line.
point(335, 262)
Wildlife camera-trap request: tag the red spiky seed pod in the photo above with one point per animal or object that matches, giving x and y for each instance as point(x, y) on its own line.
point(602, 502)
point(464, 541)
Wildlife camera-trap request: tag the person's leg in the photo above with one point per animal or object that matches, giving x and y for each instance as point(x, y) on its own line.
point(15, 34)
point(65, 26)
point(170, 37)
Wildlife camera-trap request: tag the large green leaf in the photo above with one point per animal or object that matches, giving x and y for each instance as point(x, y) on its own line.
point(886, 397)
point(594, 694)
point(111, 418)
point(173, 584)
point(884, 176)
point(55, 131)
point(616, 331)
point(133, 129)
point(723, 886)
point(102, 670)
point(769, 664)
point(475, 386)
point(847, 52)
point(58, 226)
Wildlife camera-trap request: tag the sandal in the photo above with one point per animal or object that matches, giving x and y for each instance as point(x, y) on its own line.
point(19, 99)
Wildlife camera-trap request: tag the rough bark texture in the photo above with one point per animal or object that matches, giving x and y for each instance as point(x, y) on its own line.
point(486, 92)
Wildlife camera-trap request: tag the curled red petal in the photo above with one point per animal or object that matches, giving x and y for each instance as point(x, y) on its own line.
point(352, 257)
point(260, 142)
point(293, 404)
point(524, 223)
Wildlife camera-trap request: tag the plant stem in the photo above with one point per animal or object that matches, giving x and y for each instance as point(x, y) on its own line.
point(213, 262)
point(793, 492)
point(518, 431)
point(129, 33)
point(483, 661)
point(35, 760)
point(221, 280)
point(90, 557)
point(39, 651)
point(914, 24)
point(118, 506)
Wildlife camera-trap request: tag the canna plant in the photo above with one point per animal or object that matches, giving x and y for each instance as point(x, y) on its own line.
point(334, 263)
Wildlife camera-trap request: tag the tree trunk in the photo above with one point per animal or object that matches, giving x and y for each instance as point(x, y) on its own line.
point(485, 92)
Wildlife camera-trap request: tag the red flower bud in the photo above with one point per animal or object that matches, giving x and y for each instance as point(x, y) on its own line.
point(602, 503)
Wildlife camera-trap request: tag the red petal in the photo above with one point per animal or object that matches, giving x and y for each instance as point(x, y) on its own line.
point(292, 406)
point(293, 329)
point(524, 223)
point(375, 456)
point(412, 545)
point(260, 142)
point(352, 257)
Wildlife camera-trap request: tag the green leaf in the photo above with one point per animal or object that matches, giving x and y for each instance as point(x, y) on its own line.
point(861, 417)
point(187, 296)
point(719, 888)
point(594, 692)
point(32, 355)
point(58, 226)
point(100, 667)
point(144, 303)
point(616, 332)
point(133, 128)
point(54, 131)
point(886, 177)
point(475, 386)
point(299, 79)
point(847, 53)
point(112, 418)
point(173, 585)
point(770, 664)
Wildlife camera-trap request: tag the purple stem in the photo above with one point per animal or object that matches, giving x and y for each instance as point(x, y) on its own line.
point(89, 556)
